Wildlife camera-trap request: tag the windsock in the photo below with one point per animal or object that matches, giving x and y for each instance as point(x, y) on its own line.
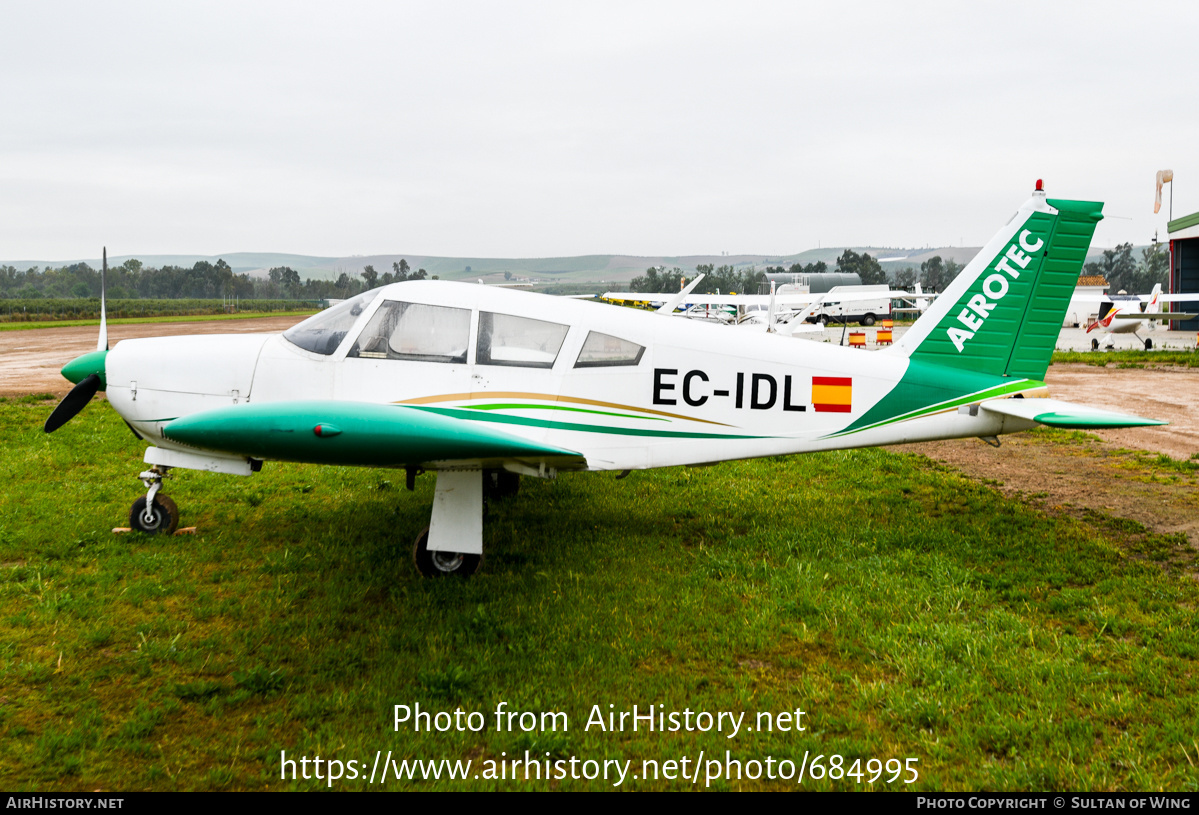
point(1163, 177)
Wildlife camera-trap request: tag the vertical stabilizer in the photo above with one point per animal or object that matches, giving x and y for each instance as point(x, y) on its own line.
point(1003, 313)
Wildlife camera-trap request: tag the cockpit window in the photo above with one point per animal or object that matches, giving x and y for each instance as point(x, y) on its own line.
point(417, 332)
point(518, 341)
point(604, 350)
point(322, 333)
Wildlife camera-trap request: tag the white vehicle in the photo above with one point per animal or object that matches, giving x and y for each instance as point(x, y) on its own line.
point(864, 305)
point(482, 385)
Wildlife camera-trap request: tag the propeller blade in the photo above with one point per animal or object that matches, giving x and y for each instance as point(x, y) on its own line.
point(102, 343)
point(73, 402)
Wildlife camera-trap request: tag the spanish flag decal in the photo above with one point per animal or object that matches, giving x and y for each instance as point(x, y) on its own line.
point(832, 394)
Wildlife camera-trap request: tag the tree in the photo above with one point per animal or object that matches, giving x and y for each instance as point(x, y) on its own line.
point(865, 267)
point(1117, 267)
point(657, 279)
point(819, 267)
point(370, 276)
point(401, 270)
point(905, 278)
point(1154, 267)
point(932, 274)
point(224, 276)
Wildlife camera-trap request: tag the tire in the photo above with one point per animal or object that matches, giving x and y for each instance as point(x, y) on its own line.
point(824, 320)
point(868, 320)
point(1149, 345)
point(1094, 345)
point(442, 564)
point(166, 516)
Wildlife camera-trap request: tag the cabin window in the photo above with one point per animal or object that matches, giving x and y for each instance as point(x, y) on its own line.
point(518, 341)
point(417, 332)
point(604, 350)
point(322, 333)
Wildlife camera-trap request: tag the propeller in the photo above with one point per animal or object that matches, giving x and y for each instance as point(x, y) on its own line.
point(86, 371)
point(74, 402)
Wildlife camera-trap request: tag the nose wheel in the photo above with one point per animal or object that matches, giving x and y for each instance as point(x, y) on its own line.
point(161, 517)
point(154, 513)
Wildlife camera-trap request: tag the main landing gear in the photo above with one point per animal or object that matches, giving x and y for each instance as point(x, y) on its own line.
point(154, 512)
point(452, 543)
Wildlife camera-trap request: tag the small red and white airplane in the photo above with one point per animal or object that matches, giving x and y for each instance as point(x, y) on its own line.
point(1126, 313)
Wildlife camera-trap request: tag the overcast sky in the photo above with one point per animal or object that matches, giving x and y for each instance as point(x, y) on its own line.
point(529, 129)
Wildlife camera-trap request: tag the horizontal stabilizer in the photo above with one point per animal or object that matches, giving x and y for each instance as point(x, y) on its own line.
point(1056, 413)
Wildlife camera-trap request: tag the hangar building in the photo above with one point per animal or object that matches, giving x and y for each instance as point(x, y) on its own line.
point(1184, 263)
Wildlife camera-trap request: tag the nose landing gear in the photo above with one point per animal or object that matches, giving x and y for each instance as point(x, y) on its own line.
point(154, 513)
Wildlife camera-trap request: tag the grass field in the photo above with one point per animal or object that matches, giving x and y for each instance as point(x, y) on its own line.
point(909, 612)
point(1130, 359)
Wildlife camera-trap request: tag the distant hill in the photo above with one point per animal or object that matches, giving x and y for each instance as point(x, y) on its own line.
point(577, 269)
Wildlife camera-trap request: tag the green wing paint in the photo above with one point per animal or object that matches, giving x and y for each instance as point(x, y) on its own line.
point(370, 434)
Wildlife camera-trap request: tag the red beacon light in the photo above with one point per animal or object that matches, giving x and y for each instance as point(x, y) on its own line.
point(1040, 185)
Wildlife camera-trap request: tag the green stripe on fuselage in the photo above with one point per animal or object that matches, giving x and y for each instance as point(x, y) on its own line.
point(515, 406)
point(503, 418)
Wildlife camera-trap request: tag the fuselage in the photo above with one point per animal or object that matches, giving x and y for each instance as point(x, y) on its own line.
point(624, 388)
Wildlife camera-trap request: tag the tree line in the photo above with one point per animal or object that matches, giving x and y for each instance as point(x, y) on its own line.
point(1125, 273)
point(132, 280)
point(1118, 266)
point(205, 280)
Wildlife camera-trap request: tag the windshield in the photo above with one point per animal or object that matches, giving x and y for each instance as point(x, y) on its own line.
point(322, 333)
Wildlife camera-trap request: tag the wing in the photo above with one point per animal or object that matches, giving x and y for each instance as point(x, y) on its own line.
point(1153, 315)
point(362, 433)
point(1056, 413)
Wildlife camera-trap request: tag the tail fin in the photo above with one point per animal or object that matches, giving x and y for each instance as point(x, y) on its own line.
point(1003, 313)
point(1154, 305)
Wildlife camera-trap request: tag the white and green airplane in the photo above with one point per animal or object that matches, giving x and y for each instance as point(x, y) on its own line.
point(482, 385)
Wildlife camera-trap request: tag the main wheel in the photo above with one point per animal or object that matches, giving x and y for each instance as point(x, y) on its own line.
point(1149, 345)
point(440, 564)
point(164, 516)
